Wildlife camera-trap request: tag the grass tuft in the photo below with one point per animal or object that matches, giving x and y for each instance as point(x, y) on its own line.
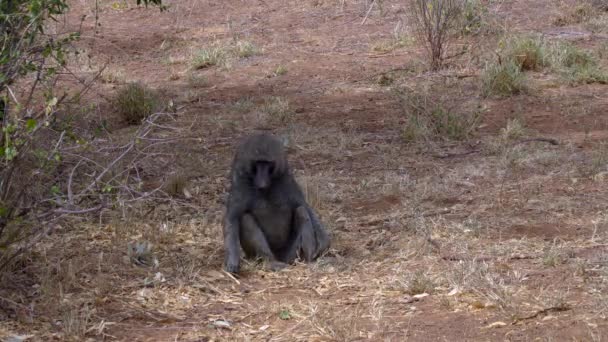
point(420, 283)
point(134, 102)
point(429, 119)
point(526, 51)
point(278, 110)
point(244, 49)
point(576, 65)
point(503, 79)
point(208, 57)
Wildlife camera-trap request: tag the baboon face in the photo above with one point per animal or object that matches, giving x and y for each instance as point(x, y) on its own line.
point(260, 161)
point(262, 173)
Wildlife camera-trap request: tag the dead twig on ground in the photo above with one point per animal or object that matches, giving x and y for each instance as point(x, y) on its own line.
point(547, 140)
point(542, 312)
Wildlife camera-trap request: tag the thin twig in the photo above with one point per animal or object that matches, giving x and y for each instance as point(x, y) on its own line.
point(368, 12)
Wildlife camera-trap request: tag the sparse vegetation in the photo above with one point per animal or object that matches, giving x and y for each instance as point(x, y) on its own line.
point(420, 283)
point(433, 22)
point(279, 71)
point(397, 42)
point(576, 65)
point(244, 49)
point(513, 130)
point(277, 109)
point(197, 81)
point(243, 105)
point(429, 119)
point(113, 75)
point(503, 78)
point(135, 102)
point(528, 52)
point(473, 17)
point(581, 12)
point(211, 56)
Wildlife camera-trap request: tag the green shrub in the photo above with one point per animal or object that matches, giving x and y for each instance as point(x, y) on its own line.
point(576, 65)
point(503, 79)
point(527, 52)
point(472, 17)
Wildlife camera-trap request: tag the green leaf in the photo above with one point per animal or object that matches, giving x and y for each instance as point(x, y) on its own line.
point(55, 190)
point(30, 124)
point(10, 153)
point(285, 314)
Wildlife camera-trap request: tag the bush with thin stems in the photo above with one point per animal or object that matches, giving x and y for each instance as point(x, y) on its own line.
point(433, 22)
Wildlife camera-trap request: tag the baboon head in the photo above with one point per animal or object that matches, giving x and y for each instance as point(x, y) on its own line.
point(260, 159)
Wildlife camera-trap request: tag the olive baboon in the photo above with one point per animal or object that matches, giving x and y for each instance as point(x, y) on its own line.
point(266, 212)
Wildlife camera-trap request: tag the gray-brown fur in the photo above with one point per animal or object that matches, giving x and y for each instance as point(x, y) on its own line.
point(266, 212)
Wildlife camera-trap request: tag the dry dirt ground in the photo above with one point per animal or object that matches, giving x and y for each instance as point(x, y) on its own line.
point(500, 242)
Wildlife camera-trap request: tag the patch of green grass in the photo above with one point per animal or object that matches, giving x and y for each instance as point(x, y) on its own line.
point(576, 65)
point(503, 79)
point(285, 314)
point(207, 57)
point(244, 49)
point(134, 102)
point(472, 17)
point(526, 51)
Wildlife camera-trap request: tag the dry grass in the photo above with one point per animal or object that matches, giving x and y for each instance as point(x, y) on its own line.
point(134, 102)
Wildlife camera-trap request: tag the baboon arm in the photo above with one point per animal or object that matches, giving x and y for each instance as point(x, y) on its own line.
point(311, 239)
point(232, 244)
point(320, 234)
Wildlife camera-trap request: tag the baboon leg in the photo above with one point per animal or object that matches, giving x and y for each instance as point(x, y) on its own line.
point(304, 243)
point(322, 239)
point(255, 245)
point(253, 241)
point(308, 242)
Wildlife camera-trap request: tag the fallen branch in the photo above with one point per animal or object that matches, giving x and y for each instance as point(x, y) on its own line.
point(545, 311)
point(547, 140)
point(452, 155)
